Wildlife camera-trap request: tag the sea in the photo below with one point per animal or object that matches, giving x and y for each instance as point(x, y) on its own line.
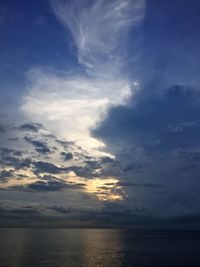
point(98, 247)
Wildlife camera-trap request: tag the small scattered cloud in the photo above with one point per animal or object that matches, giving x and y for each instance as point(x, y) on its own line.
point(66, 156)
point(40, 146)
point(30, 127)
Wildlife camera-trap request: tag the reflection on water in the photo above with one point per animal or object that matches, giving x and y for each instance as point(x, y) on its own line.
point(98, 247)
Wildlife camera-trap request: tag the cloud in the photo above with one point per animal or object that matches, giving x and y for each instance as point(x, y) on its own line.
point(143, 185)
point(125, 113)
point(148, 122)
point(2, 129)
point(41, 186)
point(155, 137)
point(13, 158)
point(32, 127)
point(18, 212)
point(168, 158)
point(72, 104)
point(40, 146)
point(5, 175)
point(60, 209)
point(46, 167)
point(67, 156)
point(98, 27)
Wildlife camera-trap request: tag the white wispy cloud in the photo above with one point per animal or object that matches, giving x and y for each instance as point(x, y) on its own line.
point(73, 104)
point(98, 27)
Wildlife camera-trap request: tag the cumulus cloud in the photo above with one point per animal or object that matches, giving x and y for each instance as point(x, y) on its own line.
point(155, 138)
point(167, 119)
point(150, 153)
point(73, 104)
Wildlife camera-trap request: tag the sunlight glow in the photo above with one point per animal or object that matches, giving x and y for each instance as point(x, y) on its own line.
point(105, 189)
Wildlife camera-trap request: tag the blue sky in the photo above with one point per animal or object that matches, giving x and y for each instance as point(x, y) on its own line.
point(99, 119)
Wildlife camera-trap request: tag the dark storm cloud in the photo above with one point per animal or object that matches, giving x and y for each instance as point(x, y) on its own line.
point(164, 113)
point(155, 137)
point(30, 127)
point(40, 146)
point(167, 157)
point(149, 121)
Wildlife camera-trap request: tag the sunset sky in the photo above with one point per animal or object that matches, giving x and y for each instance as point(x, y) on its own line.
point(99, 112)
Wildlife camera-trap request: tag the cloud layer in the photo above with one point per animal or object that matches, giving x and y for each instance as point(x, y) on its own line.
point(74, 104)
point(116, 136)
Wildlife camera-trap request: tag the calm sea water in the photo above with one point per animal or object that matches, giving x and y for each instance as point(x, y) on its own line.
point(98, 247)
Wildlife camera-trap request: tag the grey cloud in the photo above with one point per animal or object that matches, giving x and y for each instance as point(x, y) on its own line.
point(65, 144)
point(2, 128)
point(24, 211)
point(42, 167)
point(130, 167)
point(40, 146)
point(47, 186)
point(60, 209)
point(30, 127)
point(13, 139)
point(142, 185)
point(41, 186)
point(106, 160)
point(169, 160)
point(148, 118)
point(67, 156)
point(10, 152)
point(5, 175)
point(14, 158)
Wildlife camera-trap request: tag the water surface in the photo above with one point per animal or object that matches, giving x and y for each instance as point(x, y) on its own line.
point(98, 247)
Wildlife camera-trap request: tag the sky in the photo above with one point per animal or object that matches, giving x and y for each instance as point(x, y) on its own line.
point(99, 113)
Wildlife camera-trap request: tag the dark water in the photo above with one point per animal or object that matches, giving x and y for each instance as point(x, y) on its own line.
point(98, 247)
